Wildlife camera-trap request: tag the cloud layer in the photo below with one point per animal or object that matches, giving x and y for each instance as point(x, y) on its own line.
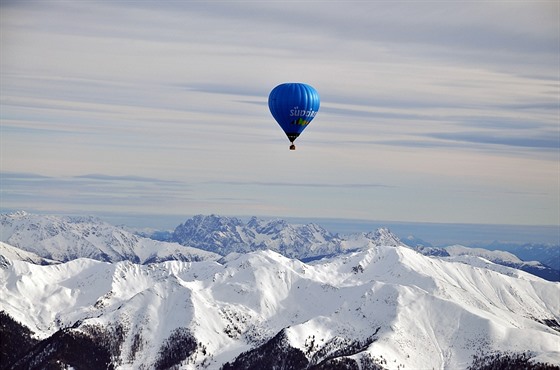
point(438, 112)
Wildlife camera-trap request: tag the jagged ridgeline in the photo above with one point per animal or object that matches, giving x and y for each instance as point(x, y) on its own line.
point(369, 302)
point(224, 235)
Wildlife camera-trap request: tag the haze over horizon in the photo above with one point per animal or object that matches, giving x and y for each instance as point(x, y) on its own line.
point(431, 112)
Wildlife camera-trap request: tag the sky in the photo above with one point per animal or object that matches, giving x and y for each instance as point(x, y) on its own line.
point(431, 111)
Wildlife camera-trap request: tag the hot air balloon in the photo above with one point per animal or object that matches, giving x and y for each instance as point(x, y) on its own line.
point(293, 106)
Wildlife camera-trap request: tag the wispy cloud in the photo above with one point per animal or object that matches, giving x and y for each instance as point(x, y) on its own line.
point(133, 179)
point(544, 142)
point(302, 185)
point(24, 190)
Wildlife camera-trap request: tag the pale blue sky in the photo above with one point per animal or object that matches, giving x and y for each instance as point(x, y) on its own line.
point(431, 111)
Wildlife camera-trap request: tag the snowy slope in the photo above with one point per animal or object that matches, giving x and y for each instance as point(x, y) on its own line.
point(496, 256)
point(13, 253)
point(396, 305)
point(459, 252)
point(67, 238)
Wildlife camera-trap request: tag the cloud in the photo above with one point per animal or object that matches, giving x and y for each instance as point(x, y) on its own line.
point(548, 142)
point(230, 89)
point(103, 191)
point(134, 179)
point(302, 184)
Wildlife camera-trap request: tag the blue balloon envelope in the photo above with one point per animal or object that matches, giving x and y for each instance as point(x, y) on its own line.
point(293, 106)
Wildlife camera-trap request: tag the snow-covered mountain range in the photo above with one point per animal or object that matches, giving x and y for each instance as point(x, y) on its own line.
point(373, 303)
point(63, 239)
point(224, 235)
point(67, 238)
point(498, 257)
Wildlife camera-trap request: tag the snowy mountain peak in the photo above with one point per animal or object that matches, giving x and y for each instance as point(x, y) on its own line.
point(63, 239)
point(383, 236)
point(215, 222)
point(18, 214)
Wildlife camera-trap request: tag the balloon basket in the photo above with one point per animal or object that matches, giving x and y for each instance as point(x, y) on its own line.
point(292, 147)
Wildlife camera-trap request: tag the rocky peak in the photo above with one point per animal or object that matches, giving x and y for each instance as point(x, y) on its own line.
point(383, 236)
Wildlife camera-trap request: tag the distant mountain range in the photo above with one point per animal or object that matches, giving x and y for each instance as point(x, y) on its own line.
point(62, 239)
point(546, 254)
point(225, 235)
point(80, 293)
